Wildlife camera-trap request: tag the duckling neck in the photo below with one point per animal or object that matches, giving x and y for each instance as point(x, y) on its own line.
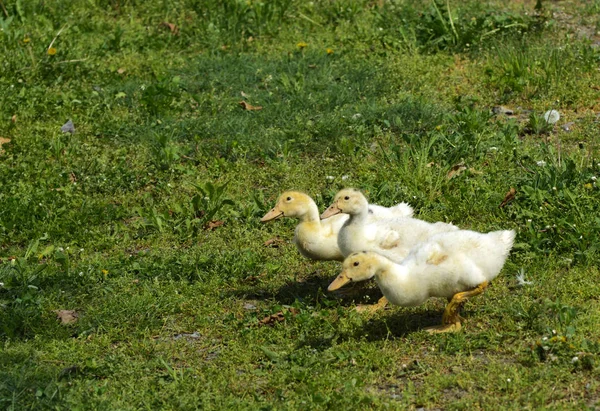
point(360, 217)
point(311, 215)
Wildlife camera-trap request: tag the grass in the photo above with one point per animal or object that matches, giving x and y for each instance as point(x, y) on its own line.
point(145, 220)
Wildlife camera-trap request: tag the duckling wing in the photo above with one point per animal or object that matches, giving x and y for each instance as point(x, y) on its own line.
point(466, 257)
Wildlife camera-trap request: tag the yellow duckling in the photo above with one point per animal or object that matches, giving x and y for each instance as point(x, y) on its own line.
point(455, 265)
point(318, 239)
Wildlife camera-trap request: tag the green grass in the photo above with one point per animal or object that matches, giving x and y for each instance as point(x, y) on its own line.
point(113, 220)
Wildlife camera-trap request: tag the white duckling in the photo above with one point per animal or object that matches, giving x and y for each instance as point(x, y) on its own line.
point(318, 239)
point(393, 237)
point(455, 265)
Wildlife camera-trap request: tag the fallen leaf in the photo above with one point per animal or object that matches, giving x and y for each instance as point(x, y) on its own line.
point(456, 170)
point(510, 196)
point(272, 319)
point(172, 27)
point(72, 177)
point(121, 70)
point(244, 94)
point(212, 225)
point(276, 318)
point(67, 316)
point(249, 107)
point(14, 118)
point(255, 278)
point(273, 242)
point(430, 164)
point(68, 127)
point(3, 141)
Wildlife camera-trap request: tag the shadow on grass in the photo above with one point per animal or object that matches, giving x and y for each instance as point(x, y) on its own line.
point(313, 292)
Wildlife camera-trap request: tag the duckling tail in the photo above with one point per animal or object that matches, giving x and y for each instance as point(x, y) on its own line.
point(506, 238)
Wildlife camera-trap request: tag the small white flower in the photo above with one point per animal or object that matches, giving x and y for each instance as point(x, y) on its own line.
point(529, 220)
point(345, 177)
point(574, 360)
point(554, 188)
point(541, 163)
point(330, 178)
point(508, 380)
point(593, 178)
point(81, 273)
point(551, 116)
point(1, 284)
point(61, 249)
point(356, 116)
point(493, 148)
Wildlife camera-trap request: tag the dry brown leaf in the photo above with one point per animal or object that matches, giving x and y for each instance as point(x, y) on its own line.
point(3, 141)
point(121, 70)
point(212, 225)
point(249, 107)
point(14, 118)
point(73, 177)
point(431, 164)
point(456, 170)
point(276, 318)
point(172, 27)
point(510, 196)
point(273, 242)
point(67, 316)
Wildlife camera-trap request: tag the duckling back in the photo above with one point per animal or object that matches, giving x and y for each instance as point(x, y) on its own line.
point(392, 238)
point(474, 256)
point(377, 212)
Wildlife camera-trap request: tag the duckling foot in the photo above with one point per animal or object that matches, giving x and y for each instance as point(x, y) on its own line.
point(444, 328)
point(371, 308)
point(451, 319)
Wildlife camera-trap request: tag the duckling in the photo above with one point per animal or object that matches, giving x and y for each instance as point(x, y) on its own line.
point(393, 238)
point(318, 239)
point(456, 265)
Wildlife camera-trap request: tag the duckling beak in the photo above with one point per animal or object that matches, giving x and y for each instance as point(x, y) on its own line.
point(331, 211)
point(339, 282)
point(274, 214)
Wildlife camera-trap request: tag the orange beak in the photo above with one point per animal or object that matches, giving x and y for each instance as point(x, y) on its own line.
point(274, 214)
point(339, 282)
point(331, 211)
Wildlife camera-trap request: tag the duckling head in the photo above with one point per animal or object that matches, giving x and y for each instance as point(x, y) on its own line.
point(289, 204)
point(347, 201)
point(359, 266)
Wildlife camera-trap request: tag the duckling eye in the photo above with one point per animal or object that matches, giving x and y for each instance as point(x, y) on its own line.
point(356, 263)
point(347, 198)
point(288, 199)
